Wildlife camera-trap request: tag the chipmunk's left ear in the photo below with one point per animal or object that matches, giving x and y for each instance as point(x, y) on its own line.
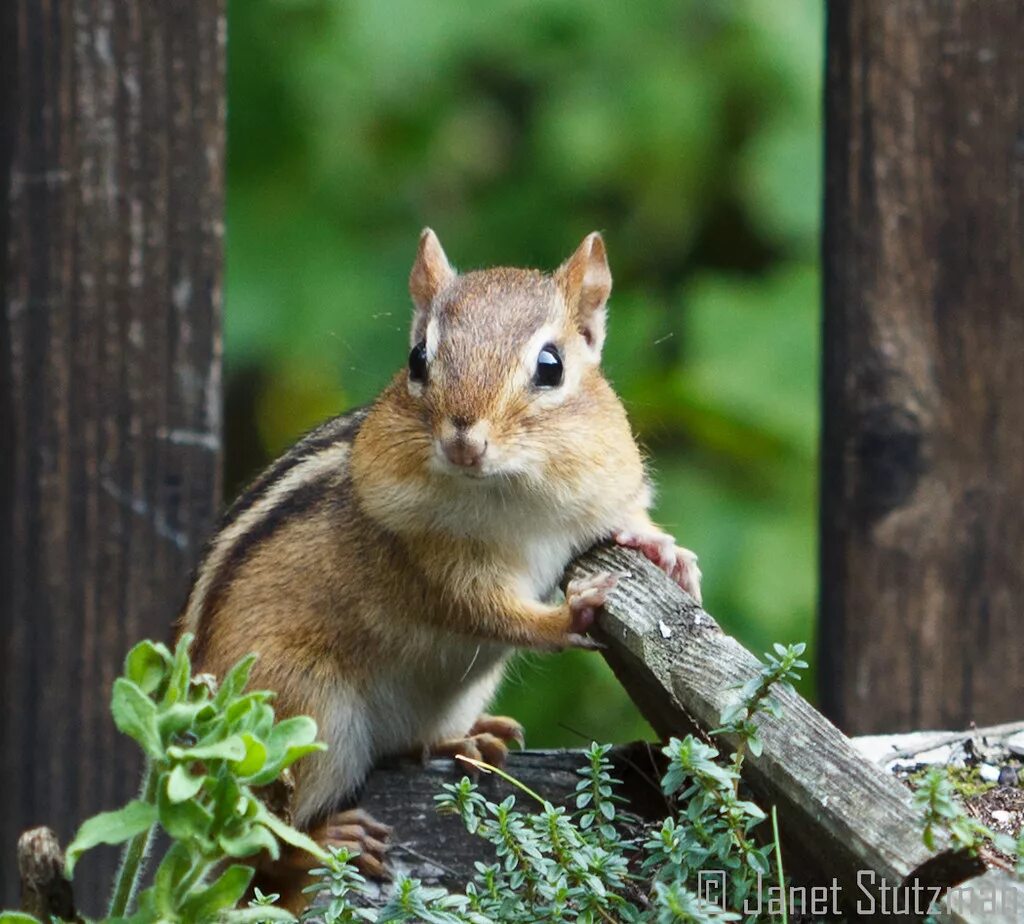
point(585, 282)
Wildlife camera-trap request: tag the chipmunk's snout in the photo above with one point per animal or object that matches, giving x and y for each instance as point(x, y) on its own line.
point(464, 443)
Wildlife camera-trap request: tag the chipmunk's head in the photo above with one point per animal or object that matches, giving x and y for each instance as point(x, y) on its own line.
point(502, 359)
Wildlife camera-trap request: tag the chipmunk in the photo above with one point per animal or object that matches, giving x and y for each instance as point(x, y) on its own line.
point(387, 565)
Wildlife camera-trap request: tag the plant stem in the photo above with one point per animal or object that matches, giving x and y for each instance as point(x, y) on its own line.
point(778, 866)
point(490, 768)
point(127, 882)
point(737, 765)
point(194, 875)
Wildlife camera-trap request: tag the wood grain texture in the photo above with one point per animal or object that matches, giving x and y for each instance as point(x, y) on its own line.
point(112, 160)
point(993, 898)
point(45, 892)
point(839, 814)
point(923, 430)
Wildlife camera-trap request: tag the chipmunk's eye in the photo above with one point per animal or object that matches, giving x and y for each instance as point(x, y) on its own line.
point(549, 368)
point(418, 362)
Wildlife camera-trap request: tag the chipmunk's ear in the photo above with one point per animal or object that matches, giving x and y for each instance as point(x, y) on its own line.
point(430, 274)
point(586, 282)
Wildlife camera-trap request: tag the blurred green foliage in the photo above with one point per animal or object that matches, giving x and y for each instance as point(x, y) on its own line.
point(689, 132)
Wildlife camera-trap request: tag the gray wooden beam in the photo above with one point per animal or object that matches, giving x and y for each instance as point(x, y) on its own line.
point(839, 814)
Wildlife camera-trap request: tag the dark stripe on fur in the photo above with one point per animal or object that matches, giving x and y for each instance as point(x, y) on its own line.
point(341, 429)
point(303, 499)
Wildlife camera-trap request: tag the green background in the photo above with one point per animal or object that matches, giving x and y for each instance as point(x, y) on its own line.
point(689, 133)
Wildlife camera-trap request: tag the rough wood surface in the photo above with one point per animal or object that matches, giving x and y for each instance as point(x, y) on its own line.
point(44, 890)
point(883, 749)
point(993, 898)
point(111, 154)
point(839, 814)
point(437, 849)
point(923, 405)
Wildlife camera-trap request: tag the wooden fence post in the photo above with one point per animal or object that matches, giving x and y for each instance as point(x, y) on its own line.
point(923, 445)
point(112, 157)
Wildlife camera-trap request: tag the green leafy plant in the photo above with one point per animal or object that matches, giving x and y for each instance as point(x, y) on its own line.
point(597, 862)
point(208, 750)
point(942, 812)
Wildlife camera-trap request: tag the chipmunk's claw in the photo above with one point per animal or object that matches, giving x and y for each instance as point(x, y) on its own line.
point(484, 747)
point(678, 563)
point(357, 830)
point(501, 726)
point(585, 597)
point(585, 642)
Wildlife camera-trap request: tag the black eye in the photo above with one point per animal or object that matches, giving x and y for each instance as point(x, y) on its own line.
point(418, 362)
point(549, 368)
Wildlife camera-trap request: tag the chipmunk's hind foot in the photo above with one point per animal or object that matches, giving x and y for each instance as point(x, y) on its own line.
point(501, 726)
point(483, 746)
point(360, 832)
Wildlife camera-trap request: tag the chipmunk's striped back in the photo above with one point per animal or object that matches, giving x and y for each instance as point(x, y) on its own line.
point(285, 489)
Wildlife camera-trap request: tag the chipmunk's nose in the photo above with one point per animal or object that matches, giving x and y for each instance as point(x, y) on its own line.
point(464, 443)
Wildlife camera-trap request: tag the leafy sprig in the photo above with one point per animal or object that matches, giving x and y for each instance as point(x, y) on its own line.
point(208, 750)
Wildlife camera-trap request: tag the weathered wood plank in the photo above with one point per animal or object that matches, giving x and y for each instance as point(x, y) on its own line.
point(993, 898)
point(839, 814)
point(111, 154)
point(883, 749)
point(922, 467)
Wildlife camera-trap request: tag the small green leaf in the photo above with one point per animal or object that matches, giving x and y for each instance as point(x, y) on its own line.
point(179, 717)
point(135, 716)
point(206, 904)
point(256, 915)
point(751, 809)
point(757, 862)
point(289, 835)
point(286, 743)
point(181, 671)
point(254, 759)
point(182, 785)
point(148, 665)
point(297, 731)
point(172, 869)
point(232, 748)
point(110, 828)
point(184, 820)
point(234, 681)
point(251, 710)
point(17, 917)
point(251, 839)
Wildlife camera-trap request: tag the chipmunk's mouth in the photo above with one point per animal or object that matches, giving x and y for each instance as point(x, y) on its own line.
point(479, 472)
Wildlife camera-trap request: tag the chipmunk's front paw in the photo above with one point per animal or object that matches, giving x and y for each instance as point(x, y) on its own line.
point(678, 563)
point(584, 597)
point(357, 830)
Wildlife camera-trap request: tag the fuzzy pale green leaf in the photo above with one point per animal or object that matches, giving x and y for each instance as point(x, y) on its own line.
point(110, 828)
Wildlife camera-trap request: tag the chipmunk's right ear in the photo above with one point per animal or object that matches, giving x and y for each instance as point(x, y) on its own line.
point(430, 273)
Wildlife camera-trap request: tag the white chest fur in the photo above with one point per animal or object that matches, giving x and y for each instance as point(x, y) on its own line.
point(545, 560)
